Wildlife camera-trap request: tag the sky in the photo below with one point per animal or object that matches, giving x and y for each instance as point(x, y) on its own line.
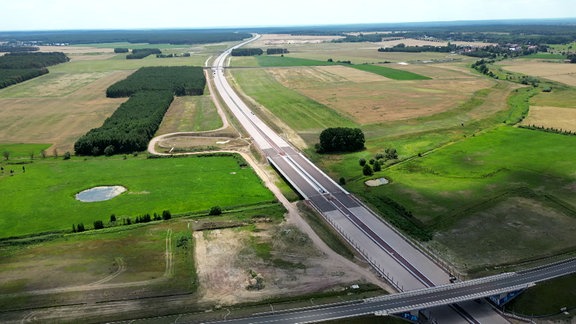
point(151, 14)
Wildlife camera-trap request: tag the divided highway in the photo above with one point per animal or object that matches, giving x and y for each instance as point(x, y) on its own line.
point(390, 254)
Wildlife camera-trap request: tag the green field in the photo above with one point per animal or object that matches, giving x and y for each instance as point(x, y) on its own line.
point(390, 73)
point(545, 56)
point(286, 61)
point(299, 112)
point(42, 199)
point(20, 151)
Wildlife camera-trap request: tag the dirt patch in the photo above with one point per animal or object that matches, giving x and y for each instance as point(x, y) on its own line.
point(225, 259)
point(553, 117)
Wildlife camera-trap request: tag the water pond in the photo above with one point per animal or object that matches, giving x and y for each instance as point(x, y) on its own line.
point(100, 193)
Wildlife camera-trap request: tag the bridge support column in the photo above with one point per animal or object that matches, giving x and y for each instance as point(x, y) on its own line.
point(500, 300)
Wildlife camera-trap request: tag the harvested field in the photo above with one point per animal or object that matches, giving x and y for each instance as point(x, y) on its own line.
point(560, 72)
point(285, 39)
point(56, 108)
point(553, 117)
point(374, 99)
point(77, 53)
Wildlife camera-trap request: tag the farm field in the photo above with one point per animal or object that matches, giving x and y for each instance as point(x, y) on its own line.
point(552, 117)
point(69, 101)
point(559, 72)
point(181, 185)
point(190, 114)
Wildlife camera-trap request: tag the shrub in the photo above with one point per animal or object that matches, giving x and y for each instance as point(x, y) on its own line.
point(216, 210)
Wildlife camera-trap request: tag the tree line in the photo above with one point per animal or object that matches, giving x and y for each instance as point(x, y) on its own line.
point(18, 48)
point(247, 52)
point(181, 36)
point(272, 51)
point(19, 67)
point(141, 53)
point(181, 80)
point(417, 49)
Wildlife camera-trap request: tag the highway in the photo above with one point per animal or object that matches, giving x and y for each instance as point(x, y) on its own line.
point(390, 254)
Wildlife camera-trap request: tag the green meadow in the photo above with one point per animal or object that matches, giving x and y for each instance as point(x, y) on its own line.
point(40, 196)
point(389, 72)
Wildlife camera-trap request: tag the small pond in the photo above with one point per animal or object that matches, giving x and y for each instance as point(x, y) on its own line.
point(100, 193)
point(377, 182)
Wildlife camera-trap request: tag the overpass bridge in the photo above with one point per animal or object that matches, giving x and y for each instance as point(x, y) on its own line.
point(418, 299)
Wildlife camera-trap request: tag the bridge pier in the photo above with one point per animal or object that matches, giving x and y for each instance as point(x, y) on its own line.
point(503, 298)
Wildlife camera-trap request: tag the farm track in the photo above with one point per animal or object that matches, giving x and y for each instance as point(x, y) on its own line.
point(101, 284)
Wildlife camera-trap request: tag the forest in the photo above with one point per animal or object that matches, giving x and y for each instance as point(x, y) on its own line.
point(129, 128)
point(19, 67)
point(134, 123)
point(161, 36)
point(181, 80)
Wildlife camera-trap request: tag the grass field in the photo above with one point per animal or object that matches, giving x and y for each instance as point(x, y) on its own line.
point(23, 151)
point(190, 114)
point(390, 73)
point(449, 190)
point(43, 195)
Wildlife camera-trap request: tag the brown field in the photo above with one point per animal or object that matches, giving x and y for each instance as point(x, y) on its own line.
point(285, 39)
point(78, 53)
point(56, 112)
point(554, 117)
point(560, 72)
point(368, 98)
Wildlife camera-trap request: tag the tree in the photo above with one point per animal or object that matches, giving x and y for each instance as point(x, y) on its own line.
point(341, 139)
point(109, 150)
point(362, 162)
point(377, 167)
point(98, 224)
point(67, 156)
point(367, 170)
point(6, 155)
point(166, 215)
point(80, 228)
point(112, 218)
point(391, 154)
point(342, 181)
point(216, 210)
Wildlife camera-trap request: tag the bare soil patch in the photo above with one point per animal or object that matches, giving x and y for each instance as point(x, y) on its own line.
point(380, 99)
point(225, 257)
point(560, 72)
point(553, 117)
